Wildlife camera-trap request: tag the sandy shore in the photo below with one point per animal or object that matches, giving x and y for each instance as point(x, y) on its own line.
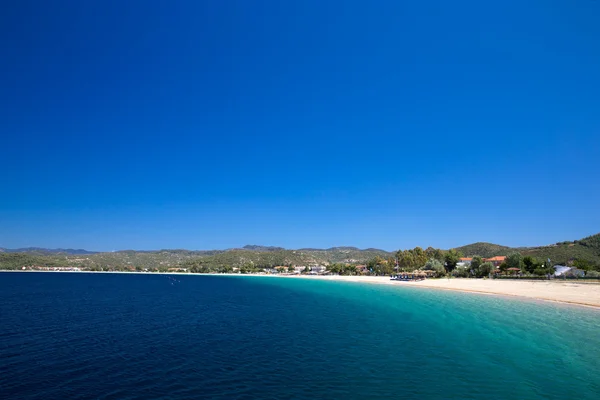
point(583, 294)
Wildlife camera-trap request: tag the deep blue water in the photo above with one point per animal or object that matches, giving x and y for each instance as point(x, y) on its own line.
point(122, 336)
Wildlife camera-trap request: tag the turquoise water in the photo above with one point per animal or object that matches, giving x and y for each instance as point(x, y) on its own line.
point(147, 336)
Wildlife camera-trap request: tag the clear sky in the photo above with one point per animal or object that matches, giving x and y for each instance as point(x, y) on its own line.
point(215, 124)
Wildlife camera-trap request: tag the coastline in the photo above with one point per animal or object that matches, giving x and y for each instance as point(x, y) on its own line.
point(566, 292)
point(571, 293)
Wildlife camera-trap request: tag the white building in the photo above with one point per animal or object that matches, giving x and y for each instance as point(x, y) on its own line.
point(319, 269)
point(561, 269)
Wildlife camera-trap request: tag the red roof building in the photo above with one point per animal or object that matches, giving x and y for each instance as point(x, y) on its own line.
point(496, 261)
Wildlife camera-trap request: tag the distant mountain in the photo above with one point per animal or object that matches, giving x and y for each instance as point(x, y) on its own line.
point(344, 254)
point(40, 250)
point(560, 253)
point(248, 255)
point(254, 247)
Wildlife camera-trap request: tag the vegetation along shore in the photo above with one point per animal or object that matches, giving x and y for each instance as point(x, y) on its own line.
point(474, 260)
point(560, 268)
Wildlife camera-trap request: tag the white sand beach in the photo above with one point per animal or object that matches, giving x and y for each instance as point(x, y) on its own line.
point(572, 292)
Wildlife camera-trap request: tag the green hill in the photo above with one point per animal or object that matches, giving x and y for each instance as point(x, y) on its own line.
point(587, 249)
point(591, 242)
point(275, 257)
point(484, 250)
point(164, 259)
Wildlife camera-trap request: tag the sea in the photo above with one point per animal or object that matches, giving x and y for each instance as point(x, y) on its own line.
point(153, 336)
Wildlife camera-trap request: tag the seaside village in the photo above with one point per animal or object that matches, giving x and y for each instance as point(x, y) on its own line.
point(464, 264)
point(351, 267)
point(363, 269)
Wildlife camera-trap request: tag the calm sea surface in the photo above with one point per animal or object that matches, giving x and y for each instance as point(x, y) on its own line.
point(122, 336)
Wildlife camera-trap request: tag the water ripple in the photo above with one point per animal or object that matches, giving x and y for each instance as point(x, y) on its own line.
point(135, 337)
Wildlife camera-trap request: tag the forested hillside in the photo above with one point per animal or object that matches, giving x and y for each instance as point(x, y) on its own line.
point(484, 250)
point(586, 249)
point(164, 259)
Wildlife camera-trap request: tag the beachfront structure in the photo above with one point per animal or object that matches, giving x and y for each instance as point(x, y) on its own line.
point(564, 271)
point(362, 269)
point(410, 276)
point(319, 269)
point(496, 261)
point(465, 261)
point(299, 268)
point(561, 269)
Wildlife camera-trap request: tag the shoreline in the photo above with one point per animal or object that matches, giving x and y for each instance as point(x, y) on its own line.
point(569, 293)
point(581, 294)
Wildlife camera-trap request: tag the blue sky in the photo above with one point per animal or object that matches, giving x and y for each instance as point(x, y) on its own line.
point(216, 124)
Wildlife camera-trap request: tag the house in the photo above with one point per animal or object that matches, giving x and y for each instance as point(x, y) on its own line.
point(464, 262)
point(362, 269)
point(299, 268)
point(496, 261)
point(568, 272)
point(559, 270)
point(318, 269)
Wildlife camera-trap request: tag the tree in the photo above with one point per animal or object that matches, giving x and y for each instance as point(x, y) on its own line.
point(419, 256)
point(350, 270)
point(434, 265)
point(387, 268)
point(460, 273)
point(406, 260)
point(452, 257)
point(583, 264)
point(438, 254)
point(484, 269)
point(379, 266)
point(409, 260)
point(530, 264)
point(476, 262)
point(335, 268)
point(543, 270)
point(514, 260)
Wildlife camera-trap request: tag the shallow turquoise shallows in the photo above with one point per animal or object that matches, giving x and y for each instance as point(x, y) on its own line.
point(122, 336)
